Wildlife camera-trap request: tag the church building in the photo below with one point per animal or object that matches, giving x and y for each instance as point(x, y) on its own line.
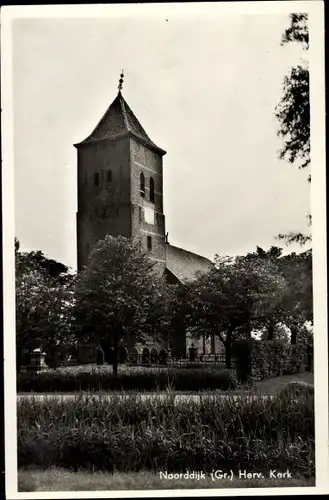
point(120, 192)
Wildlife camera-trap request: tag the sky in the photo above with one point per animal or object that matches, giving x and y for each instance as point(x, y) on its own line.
point(203, 87)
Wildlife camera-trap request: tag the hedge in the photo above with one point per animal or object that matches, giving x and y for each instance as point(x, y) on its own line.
point(179, 379)
point(258, 360)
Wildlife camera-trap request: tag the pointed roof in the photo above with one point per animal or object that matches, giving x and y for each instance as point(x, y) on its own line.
point(119, 121)
point(185, 265)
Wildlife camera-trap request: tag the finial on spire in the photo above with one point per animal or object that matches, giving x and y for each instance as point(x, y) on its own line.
point(121, 81)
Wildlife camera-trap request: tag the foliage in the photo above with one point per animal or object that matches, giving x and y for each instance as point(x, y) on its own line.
point(133, 434)
point(296, 389)
point(233, 296)
point(298, 298)
point(297, 31)
point(293, 113)
point(293, 110)
point(119, 295)
point(37, 261)
point(181, 379)
point(274, 358)
point(293, 305)
point(44, 298)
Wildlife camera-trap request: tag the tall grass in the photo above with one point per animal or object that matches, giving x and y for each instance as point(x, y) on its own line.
point(131, 434)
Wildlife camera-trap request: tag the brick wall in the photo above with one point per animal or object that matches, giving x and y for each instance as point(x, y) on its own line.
point(116, 206)
point(149, 162)
point(106, 208)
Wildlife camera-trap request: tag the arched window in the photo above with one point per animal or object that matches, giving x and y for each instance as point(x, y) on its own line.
point(151, 190)
point(109, 176)
point(149, 243)
point(96, 179)
point(142, 184)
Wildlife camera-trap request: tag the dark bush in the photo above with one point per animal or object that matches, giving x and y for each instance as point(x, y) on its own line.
point(180, 379)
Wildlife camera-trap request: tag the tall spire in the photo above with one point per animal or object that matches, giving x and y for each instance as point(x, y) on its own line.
point(121, 81)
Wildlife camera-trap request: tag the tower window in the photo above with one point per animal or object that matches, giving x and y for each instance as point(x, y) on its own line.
point(149, 243)
point(109, 176)
point(151, 190)
point(96, 179)
point(142, 184)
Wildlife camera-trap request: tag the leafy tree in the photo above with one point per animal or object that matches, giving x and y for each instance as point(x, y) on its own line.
point(44, 298)
point(36, 260)
point(294, 305)
point(119, 296)
point(298, 298)
point(293, 111)
point(232, 297)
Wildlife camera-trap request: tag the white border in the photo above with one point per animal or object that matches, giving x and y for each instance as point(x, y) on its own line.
point(317, 98)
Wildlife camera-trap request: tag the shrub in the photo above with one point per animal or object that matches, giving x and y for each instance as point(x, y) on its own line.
point(129, 434)
point(297, 389)
point(271, 358)
point(180, 379)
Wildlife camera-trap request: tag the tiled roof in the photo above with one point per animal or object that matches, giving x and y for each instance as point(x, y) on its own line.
point(185, 265)
point(119, 120)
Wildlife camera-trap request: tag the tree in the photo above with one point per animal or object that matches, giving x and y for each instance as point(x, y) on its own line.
point(119, 295)
point(293, 111)
point(294, 303)
point(298, 298)
point(232, 297)
point(36, 260)
point(44, 299)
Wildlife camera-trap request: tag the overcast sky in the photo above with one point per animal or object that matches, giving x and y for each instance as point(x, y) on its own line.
point(204, 88)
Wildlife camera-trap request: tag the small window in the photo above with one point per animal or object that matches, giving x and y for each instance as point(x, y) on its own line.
point(142, 184)
point(109, 176)
point(96, 179)
point(151, 190)
point(149, 243)
point(140, 214)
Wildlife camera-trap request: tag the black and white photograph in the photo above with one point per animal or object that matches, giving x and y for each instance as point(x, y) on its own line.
point(165, 315)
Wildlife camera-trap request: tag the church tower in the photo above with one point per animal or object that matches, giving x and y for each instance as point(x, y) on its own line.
point(120, 188)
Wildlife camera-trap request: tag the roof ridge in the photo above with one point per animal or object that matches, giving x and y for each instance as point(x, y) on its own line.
point(123, 110)
point(189, 251)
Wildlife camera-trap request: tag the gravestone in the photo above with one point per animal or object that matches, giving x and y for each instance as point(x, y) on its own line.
point(38, 361)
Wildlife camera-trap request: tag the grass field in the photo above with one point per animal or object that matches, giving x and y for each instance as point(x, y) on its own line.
point(275, 384)
point(56, 479)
